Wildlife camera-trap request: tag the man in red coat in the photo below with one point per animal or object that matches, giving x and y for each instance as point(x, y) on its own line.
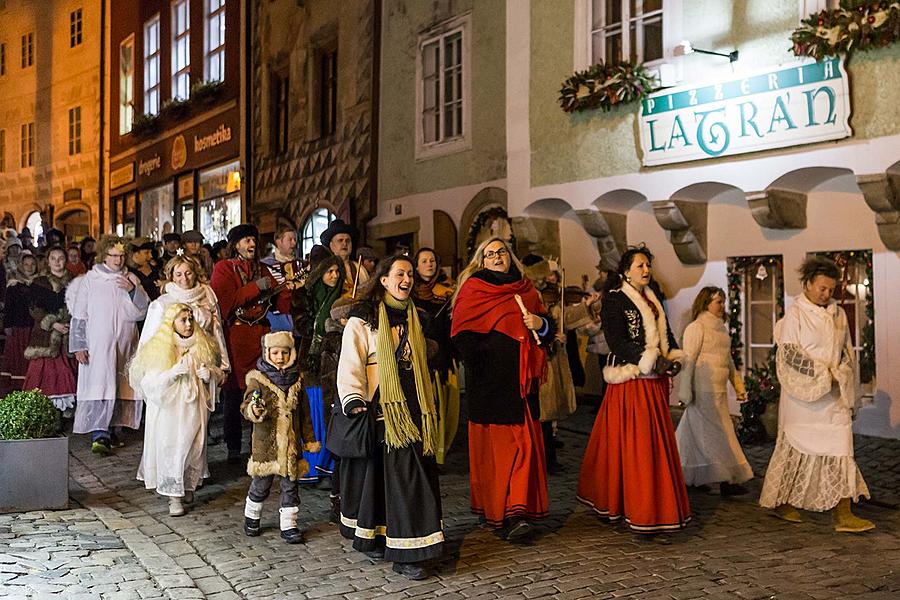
point(240, 281)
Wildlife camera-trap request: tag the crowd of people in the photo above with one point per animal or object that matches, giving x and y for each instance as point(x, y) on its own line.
point(348, 367)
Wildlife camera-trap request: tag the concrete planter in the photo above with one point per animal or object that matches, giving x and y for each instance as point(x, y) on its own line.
point(34, 474)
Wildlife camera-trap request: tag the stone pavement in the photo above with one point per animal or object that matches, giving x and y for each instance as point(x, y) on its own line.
point(118, 542)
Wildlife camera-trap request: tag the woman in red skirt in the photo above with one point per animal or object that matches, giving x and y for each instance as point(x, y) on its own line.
point(17, 323)
point(497, 339)
point(50, 367)
point(631, 468)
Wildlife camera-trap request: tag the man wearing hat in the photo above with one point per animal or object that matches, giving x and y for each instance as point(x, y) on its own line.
point(368, 258)
point(193, 247)
point(339, 238)
point(241, 281)
point(140, 262)
point(171, 244)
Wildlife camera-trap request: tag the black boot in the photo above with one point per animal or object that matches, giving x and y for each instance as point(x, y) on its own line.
point(251, 527)
point(414, 571)
point(335, 515)
point(293, 536)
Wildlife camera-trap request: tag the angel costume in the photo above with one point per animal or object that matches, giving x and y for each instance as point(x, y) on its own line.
point(813, 467)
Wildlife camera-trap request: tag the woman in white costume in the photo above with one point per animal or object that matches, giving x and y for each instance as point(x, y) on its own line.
point(813, 467)
point(176, 372)
point(106, 303)
point(707, 444)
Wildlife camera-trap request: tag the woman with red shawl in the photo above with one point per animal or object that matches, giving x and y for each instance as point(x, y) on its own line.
point(500, 327)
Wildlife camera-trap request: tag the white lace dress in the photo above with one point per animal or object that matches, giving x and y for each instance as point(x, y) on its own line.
point(709, 449)
point(812, 466)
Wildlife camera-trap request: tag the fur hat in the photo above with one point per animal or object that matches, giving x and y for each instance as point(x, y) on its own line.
point(335, 227)
point(12, 240)
point(341, 308)
point(279, 339)
point(536, 267)
point(244, 230)
point(366, 253)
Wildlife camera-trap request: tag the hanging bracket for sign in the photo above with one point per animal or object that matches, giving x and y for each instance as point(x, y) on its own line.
point(772, 108)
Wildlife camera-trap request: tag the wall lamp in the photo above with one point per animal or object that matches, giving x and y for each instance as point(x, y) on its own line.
point(685, 48)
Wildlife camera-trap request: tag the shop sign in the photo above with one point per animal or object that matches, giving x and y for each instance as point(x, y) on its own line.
point(772, 108)
point(146, 166)
point(179, 153)
point(121, 176)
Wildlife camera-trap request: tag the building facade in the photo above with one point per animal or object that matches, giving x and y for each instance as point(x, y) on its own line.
point(49, 115)
point(174, 117)
point(313, 86)
point(732, 174)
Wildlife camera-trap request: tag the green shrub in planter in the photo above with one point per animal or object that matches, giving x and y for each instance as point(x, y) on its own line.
point(27, 415)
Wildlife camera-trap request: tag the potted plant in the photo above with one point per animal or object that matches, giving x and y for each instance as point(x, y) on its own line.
point(34, 457)
point(759, 414)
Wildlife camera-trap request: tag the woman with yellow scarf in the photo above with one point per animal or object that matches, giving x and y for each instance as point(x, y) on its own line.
point(390, 503)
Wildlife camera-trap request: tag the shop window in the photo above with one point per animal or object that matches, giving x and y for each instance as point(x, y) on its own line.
point(219, 200)
point(75, 131)
point(157, 211)
point(443, 96)
point(126, 85)
point(122, 212)
point(184, 188)
point(215, 40)
point(27, 146)
point(75, 27)
point(314, 226)
point(27, 50)
point(279, 115)
point(756, 302)
point(856, 295)
point(181, 49)
point(151, 66)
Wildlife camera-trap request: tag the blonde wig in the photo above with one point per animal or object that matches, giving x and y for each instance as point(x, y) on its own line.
point(477, 263)
point(183, 259)
point(107, 242)
point(160, 353)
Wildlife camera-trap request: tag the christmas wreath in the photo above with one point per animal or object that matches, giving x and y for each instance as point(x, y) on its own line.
point(605, 86)
point(856, 25)
point(480, 221)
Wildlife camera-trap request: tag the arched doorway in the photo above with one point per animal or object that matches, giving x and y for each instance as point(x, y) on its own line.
point(445, 240)
point(75, 223)
point(35, 224)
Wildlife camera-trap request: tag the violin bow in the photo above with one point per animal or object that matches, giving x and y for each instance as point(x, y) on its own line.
point(356, 277)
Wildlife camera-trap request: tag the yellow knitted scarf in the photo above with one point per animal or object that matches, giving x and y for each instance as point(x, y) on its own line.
point(399, 429)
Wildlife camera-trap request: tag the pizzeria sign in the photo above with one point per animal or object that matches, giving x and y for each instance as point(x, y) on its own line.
point(773, 108)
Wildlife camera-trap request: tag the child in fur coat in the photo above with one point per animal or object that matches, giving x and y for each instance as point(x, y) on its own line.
point(282, 428)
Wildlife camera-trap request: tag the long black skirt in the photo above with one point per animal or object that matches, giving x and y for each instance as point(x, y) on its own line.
point(392, 501)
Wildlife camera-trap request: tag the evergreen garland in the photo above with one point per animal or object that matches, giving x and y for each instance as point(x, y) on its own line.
point(738, 267)
point(483, 218)
point(856, 25)
point(606, 85)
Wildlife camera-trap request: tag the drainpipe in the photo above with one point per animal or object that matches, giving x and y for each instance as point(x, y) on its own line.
point(101, 173)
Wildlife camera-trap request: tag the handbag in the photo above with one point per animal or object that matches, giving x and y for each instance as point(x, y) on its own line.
point(353, 436)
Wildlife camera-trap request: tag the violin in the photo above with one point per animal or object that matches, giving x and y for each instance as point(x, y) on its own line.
point(295, 272)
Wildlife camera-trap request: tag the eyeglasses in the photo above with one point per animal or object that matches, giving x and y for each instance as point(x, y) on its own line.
point(491, 255)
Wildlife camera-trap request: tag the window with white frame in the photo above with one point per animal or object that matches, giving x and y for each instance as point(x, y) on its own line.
point(443, 98)
point(2, 150)
point(215, 40)
point(75, 27)
point(761, 285)
point(181, 49)
point(27, 146)
point(126, 85)
point(27, 50)
point(626, 30)
point(151, 66)
point(74, 131)
point(314, 227)
point(809, 7)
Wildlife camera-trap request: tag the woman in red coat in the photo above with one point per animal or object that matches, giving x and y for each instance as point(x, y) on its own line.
point(501, 343)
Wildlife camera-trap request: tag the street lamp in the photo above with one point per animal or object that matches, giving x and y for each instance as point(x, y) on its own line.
point(685, 48)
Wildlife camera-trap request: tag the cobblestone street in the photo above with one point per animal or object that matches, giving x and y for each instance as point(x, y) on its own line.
point(117, 542)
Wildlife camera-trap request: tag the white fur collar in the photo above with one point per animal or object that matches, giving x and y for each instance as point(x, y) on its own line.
point(655, 329)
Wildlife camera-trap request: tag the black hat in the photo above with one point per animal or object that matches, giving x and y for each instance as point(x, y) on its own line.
point(335, 227)
point(142, 243)
point(171, 237)
point(244, 230)
point(317, 254)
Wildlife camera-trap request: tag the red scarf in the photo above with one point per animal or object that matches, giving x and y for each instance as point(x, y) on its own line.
point(483, 307)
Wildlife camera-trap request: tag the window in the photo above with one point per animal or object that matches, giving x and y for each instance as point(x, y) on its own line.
point(629, 30)
point(27, 146)
point(35, 224)
point(75, 131)
point(75, 28)
point(278, 116)
point(215, 40)
point(122, 213)
point(443, 91)
point(126, 85)
point(761, 283)
point(855, 294)
point(314, 226)
point(27, 50)
point(157, 211)
point(327, 93)
point(181, 49)
point(2, 150)
point(219, 200)
point(808, 7)
point(151, 66)
point(2, 60)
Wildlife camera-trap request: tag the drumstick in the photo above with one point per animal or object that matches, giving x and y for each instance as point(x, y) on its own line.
point(525, 314)
point(356, 277)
